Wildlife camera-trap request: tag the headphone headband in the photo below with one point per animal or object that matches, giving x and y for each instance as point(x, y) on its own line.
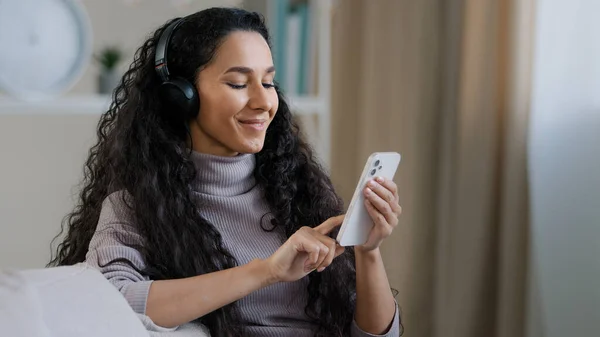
point(160, 57)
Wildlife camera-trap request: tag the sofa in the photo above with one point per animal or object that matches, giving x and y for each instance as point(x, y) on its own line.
point(73, 301)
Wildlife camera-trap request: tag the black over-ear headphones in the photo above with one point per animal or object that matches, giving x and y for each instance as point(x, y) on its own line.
point(177, 92)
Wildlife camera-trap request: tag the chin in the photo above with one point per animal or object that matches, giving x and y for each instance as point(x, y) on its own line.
point(251, 146)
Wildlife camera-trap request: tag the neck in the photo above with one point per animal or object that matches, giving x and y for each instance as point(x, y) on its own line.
point(223, 175)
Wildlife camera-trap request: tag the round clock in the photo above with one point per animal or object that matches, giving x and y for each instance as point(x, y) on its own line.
point(46, 46)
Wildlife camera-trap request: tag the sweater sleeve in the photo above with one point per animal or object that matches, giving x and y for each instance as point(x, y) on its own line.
point(394, 330)
point(114, 239)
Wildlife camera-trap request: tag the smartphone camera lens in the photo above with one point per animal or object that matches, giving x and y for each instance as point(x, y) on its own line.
point(380, 167)
point(376, 163)
point(373, 171)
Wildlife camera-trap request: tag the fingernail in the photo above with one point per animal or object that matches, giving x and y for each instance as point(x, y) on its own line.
point(372, 183)
point(369, 191)
point(379, 179)
point(321, 269)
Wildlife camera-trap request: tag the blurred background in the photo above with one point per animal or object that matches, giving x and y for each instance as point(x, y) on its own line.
point(493, 104)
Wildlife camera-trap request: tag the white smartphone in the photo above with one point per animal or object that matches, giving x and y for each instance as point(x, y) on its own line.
point(357, 223)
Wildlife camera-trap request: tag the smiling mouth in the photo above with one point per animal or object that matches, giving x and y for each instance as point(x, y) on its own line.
point(254, 124)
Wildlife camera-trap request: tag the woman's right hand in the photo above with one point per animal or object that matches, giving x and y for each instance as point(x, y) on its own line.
point(306, 250)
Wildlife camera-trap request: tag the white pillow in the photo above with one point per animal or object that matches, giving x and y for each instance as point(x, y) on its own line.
point(20, 309)
point(71, 301)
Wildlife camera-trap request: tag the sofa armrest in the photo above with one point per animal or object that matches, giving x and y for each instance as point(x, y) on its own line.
point(71, 301)
point(21, 312)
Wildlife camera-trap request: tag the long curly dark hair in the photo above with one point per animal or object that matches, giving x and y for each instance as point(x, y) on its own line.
point(141, 149)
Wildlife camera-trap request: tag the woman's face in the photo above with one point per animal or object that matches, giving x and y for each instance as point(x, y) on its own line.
point(237, 98)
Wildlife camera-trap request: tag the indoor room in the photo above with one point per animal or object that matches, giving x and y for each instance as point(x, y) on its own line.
point(179, 168)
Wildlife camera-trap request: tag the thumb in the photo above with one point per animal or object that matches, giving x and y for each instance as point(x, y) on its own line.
point(339, 250)
point(330, 224)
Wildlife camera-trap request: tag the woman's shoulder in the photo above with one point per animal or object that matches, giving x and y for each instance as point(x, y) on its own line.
point(115, 233)
point(117, 207)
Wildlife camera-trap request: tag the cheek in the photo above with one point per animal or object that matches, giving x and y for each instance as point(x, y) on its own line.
point(275, 103)
point(217, 108)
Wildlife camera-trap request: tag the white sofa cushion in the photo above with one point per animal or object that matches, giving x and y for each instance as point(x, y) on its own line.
point(73, 301)
point(20, 309)
point(64, 301)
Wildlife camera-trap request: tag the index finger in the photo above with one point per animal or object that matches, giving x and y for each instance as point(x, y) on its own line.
point(330, 224)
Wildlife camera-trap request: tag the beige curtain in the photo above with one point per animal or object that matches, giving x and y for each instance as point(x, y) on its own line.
point(446, 84)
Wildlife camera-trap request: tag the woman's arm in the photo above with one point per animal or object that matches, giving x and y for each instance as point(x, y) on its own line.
point(375, 304)
point(170, 303)
point(174, 302)
point(376, 310)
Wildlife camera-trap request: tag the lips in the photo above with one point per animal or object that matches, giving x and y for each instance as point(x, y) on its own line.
point(255, 124)
point(252, 121)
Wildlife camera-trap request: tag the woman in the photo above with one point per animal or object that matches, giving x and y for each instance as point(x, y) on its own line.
point(211, 208)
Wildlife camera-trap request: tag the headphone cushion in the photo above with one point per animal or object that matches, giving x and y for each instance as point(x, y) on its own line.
point(181, 95)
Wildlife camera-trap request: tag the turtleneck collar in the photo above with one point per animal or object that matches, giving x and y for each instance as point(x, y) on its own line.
point(223, 176)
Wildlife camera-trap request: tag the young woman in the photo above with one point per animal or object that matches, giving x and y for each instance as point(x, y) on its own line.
point(201, 203)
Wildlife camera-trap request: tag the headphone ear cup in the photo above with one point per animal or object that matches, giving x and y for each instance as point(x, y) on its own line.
point(181, 95)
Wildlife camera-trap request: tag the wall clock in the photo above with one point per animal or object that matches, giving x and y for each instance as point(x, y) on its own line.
point(46, 47)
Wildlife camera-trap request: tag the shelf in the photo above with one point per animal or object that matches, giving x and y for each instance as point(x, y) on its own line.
point(98, 104)
point(67, 105)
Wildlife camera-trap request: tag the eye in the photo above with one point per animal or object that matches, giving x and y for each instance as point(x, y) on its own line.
point(236, 86)
point(268, 85)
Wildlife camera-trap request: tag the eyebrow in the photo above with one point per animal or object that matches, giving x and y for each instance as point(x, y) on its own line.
point(246, 70)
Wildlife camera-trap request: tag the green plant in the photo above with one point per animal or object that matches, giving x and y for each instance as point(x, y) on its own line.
point(109, 57)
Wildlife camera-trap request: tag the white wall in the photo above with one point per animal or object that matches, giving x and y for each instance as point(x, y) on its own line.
point(42, 162)
point(565, 170)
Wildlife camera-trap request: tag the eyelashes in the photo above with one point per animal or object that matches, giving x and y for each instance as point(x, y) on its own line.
point(236, 86)
point(243, 86)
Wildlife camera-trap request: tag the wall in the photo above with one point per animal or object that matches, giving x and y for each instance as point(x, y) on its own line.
point(565, 171)
point(42, 161)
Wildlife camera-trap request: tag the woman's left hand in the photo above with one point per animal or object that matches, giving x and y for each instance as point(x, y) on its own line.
point(381, 200)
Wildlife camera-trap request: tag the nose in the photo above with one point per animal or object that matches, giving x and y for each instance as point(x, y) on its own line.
point(259, 99)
